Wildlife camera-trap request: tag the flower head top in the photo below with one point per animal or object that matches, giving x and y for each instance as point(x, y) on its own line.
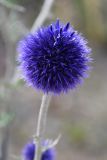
point(55, 58)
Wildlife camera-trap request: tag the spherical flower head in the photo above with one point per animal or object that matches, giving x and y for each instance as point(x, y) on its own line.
point(28, 152)
point(54, 58)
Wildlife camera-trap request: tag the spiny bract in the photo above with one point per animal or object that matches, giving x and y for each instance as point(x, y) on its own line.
point(54, 58)
point(28, 152)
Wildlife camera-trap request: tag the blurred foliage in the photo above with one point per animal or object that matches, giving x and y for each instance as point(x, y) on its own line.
point(91, 15)
point(18, 83)
point(15, 85)
point(81, 9)
point(14, 1)
point(19, 1)
point(2, 93)
point(77, 134)
point(7, 87)
point(6, 118)
point(25, 2)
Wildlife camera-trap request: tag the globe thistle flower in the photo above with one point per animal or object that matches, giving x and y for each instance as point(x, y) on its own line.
point(28, 152)
point(55, 58)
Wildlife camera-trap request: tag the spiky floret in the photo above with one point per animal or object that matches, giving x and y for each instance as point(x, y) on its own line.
point(55, 58)
point(28, 152)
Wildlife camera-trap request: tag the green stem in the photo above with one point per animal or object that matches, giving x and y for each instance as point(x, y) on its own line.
point(41, 124)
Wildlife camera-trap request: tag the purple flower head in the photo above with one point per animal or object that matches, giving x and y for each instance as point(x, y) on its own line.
point(55, 58)
point(29, 152)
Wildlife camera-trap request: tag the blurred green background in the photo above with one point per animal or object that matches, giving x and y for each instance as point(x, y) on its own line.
point(80, 115)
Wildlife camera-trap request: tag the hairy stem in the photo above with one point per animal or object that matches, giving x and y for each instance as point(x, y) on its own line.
point(41, 124)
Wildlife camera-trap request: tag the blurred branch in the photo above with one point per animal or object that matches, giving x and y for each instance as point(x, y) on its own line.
point(9, 62)
point(42, 15)
point(12, 6)
point(5, 143)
